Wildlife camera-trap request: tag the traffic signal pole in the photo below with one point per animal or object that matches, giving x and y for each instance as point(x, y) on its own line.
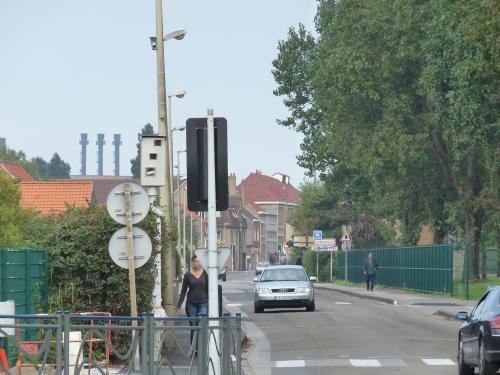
point(213, 293)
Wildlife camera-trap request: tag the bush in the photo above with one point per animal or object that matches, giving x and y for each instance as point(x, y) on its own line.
point(82, 276)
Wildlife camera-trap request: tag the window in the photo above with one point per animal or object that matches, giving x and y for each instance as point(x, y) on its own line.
point(477, 310)
point(219, 235)
point(286, 274)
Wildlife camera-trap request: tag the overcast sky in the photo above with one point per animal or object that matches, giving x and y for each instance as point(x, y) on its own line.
point(86, 66)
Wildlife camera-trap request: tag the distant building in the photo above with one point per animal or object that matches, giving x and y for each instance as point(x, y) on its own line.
point(276, 199)
point(104, 184)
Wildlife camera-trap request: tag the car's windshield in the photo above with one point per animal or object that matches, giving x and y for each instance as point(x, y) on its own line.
point(263, 264)
point(285, 274)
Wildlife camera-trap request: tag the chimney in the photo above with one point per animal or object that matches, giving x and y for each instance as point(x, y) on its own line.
point(231, 182)
point(100, 154)
point(84, 141)
point(117, 143)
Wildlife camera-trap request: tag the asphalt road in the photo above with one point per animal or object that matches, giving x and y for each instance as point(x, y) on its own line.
point(345, 335)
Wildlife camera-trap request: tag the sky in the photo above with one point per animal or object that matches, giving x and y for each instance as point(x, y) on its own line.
point(86, 66)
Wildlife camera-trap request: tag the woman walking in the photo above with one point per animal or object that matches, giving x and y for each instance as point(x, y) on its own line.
point(195, 284)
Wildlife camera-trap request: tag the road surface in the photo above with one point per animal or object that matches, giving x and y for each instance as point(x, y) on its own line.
point(344, 335)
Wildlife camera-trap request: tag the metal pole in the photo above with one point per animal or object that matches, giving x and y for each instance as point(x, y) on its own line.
point(213, 293)
point(331, 264)
point(184, 208)
point(179, 207)
point(317, 265)
point(168, 251)
point(170, 144)
point(190, 234)
point(467, 270)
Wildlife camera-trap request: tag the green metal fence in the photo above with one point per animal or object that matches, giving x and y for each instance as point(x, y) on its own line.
point(418, 268)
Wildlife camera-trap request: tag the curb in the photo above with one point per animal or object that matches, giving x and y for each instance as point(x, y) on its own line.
point(387, 300)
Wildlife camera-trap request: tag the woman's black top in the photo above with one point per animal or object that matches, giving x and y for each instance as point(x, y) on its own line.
point(198, 289)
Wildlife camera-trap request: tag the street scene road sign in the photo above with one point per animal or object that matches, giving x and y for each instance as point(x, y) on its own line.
point(326, 245)
point(118, 247)
point(318, 234)
point(302, 241)
point(139, 202)
point(223, 254)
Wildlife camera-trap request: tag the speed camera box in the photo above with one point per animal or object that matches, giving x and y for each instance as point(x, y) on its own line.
point(153, 162)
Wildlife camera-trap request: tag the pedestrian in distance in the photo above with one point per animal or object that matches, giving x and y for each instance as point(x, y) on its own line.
point(370, 272)
point(195, 284)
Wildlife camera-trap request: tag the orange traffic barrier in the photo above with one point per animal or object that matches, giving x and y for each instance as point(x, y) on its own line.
point(3, 360)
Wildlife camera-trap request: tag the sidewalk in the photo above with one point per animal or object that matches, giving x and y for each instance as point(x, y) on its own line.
point(443, 306)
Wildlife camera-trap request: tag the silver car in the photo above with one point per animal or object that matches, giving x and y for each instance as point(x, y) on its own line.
point(284, 287)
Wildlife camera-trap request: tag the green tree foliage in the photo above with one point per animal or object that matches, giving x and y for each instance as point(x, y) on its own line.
point(12, 215)
point(398, 102)
point(38, 167)
point(135, 163)
point(321, 208)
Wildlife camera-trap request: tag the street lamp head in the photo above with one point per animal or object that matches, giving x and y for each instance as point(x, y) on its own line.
point(152, 40)
point(179, 128)
point(177, 93)
point(177, 34)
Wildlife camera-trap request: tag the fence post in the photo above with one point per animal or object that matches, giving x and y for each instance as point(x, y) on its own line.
point(147, 344)
point(202, 345)
point(66, 342)
point(238, 344)
point(59, 338)
point(226, 348)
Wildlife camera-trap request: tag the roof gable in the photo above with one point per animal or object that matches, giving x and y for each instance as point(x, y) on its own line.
point(15, 171)
point(261, 188)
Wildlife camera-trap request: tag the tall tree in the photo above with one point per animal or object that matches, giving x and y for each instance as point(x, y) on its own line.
point(12, 215)
point(398, 108)
point(57, 168)
point(135, 163)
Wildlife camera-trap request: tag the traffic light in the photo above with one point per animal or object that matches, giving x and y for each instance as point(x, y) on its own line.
point(197, 164)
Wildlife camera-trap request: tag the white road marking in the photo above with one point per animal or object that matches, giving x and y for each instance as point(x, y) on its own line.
point(343, 303)
point(365, 363)
point(291, 364)
point(438, 362)
point(234, 305)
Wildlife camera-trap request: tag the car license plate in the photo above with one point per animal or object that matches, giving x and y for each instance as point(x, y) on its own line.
point(282, 298)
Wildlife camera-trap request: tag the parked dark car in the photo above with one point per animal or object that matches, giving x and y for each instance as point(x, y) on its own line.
point(479, 336)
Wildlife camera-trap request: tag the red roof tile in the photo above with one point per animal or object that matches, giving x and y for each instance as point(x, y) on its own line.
point(15, 171)
point(53, 196)
point(260, 188)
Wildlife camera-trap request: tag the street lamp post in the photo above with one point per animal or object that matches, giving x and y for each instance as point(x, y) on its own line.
point(182, 254)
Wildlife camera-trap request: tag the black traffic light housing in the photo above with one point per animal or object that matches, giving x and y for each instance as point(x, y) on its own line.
point(197, 164)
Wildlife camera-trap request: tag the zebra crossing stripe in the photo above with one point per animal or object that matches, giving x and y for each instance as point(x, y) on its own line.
point(291, 364)
point(365, 363)
point(438, 362)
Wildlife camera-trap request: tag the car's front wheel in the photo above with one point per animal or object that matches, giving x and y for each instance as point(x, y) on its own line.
point(258, 309)
point(485, 367)
point(463, 368)
point(311, 306)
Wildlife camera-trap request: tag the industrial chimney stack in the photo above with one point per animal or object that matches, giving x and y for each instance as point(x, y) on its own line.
point(84, 142)
point(100, 154)
point(117, 143)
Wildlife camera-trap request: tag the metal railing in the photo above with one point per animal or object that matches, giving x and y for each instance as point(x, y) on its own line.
point(135, 343)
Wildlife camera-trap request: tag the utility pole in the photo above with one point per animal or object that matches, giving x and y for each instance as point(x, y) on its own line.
point(168, 268)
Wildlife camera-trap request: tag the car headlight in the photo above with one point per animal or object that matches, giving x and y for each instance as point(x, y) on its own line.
point(303, 290)
point(262, 291)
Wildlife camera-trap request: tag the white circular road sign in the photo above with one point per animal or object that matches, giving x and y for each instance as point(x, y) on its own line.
point(118, 247)
point(139, 203)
